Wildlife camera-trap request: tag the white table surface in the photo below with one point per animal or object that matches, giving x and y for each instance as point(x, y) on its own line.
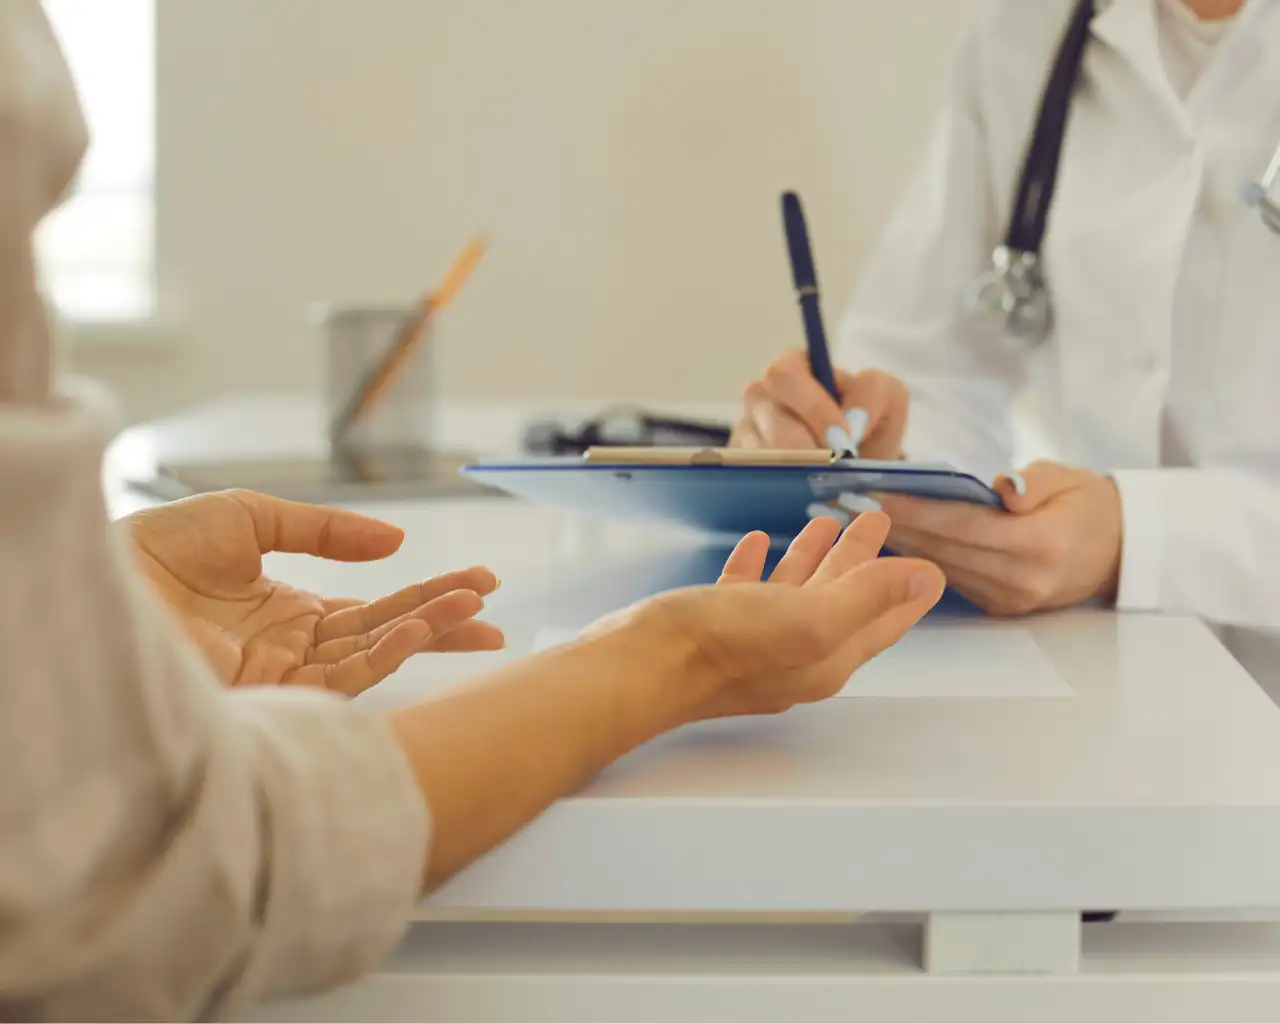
point(1133, 766)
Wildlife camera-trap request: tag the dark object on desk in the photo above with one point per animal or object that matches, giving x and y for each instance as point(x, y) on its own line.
point(621, 428)
point(387, 475)
point(805, 275)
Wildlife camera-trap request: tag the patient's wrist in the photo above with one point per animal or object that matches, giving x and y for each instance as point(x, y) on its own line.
point(664, 662)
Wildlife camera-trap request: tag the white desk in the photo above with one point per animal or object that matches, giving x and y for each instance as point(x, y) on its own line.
point(717, 873)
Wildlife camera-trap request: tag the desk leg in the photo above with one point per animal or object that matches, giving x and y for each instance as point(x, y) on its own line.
point(1002, 943)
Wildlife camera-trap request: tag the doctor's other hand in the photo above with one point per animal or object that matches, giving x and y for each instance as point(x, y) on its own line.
point(1058, 544)
point(829, 606)
point(787, 408)
point(204, 557)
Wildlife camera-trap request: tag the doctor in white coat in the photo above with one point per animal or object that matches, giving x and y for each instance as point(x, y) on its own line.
point(1159, 381)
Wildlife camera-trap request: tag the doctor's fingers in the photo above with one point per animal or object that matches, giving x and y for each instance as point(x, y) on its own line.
point(970, 525)
point(994, 597)
point(955, 554)
point(789, 383)
point(1033, 553)
point(772, 425)
point(1038, 484)
point(883, 398)
point(1000, 582)
point(744, 434)
point(989, 595)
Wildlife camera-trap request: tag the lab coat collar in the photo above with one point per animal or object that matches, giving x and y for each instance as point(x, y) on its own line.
point(1129, 27)
point(1100, 7)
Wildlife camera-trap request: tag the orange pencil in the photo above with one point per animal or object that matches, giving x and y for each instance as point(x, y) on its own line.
point(411, 336)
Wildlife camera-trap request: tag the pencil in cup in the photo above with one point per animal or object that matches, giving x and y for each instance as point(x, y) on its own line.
point(380, 379)
point(359, 342)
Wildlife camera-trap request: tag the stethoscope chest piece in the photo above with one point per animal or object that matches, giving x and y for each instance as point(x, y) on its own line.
point(1013, 292)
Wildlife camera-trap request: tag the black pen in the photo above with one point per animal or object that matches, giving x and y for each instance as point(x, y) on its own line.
point(806, 282)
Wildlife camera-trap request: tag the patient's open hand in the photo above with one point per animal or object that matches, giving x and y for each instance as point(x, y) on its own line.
point(204, 556)
point(829, 606)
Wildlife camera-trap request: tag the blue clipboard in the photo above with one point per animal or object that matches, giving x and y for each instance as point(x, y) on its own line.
point(719, 491)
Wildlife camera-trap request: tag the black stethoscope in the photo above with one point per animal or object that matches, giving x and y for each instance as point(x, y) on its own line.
point(1014, 290)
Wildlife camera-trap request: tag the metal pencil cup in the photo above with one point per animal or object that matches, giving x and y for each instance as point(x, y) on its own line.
point(356, 341)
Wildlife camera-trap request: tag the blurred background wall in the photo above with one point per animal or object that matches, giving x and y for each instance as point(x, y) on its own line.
point(625, 157)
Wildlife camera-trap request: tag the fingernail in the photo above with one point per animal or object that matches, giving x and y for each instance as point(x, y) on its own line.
point(857, 420)
point(858, 503)
point(923, 584)
point(497, 581)
point(1019, 484)
point(838, 440)
point(819, 510)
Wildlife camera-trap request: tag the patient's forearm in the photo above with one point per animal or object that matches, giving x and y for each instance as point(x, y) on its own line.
point(492, 755)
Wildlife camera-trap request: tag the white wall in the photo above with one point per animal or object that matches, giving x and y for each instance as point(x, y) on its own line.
point(625, 156)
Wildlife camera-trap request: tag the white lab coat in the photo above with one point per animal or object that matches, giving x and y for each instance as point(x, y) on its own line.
point(1164, 366)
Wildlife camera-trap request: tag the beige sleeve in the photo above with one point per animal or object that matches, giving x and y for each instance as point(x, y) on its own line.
point(168, 849)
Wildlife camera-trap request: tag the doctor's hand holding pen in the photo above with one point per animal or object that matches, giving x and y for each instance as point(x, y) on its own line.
point(1056, 543)
point(786, 407)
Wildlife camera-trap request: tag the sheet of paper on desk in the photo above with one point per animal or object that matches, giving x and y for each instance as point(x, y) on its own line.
point(944, 660)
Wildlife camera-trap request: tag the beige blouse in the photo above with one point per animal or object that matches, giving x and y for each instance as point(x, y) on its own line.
point(168, 849)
